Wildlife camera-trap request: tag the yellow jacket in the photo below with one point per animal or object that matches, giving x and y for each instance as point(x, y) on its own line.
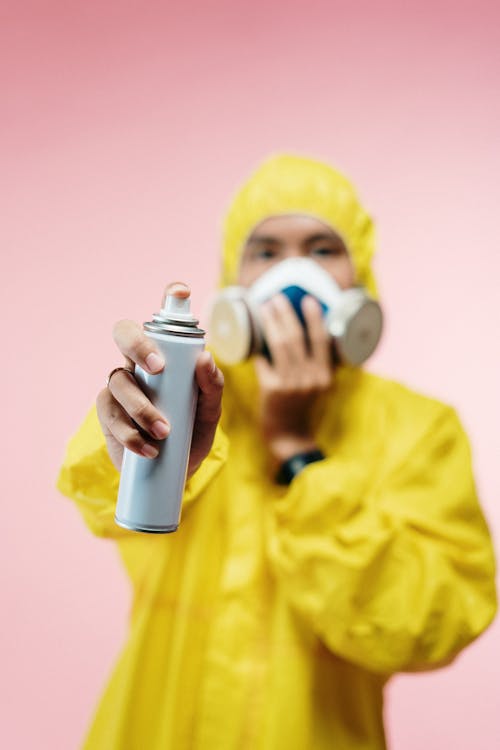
point(272, 619)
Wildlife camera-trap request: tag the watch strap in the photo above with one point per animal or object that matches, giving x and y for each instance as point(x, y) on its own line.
point(295, 464)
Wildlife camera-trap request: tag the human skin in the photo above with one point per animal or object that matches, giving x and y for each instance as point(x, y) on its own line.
point(289, 387)
point(122, 407)
point(300, 372)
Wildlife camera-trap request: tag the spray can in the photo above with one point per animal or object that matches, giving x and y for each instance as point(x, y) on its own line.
point(150, 492)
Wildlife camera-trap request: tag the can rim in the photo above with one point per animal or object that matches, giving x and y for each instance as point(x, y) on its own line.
point(175, 330)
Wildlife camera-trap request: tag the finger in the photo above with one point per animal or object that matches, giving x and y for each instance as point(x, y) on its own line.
point(211, 384)
point(264, 369)
point(319, 339)
point(135, 403)
point(137, 347)
point(283, 333)
point(273, 338)
point(116, 424)
point(177, 289)
point(288, 320)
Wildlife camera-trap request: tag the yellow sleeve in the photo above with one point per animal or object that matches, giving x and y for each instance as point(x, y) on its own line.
point(89, 478)
point(396, 573)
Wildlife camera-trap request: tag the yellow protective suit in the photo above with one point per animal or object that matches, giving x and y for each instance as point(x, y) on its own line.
point(272, 619)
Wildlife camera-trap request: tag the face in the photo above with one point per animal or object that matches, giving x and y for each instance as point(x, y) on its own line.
point(295, 236)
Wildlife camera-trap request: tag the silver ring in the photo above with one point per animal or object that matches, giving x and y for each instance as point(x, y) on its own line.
point(117, 369)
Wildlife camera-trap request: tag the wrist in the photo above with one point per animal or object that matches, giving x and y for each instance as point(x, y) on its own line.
point(285, 446)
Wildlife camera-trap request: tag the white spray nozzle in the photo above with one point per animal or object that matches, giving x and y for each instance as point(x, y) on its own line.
point(175, 304)
point(177, 307)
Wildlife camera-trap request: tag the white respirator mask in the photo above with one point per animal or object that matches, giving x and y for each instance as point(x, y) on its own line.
point(352, 318)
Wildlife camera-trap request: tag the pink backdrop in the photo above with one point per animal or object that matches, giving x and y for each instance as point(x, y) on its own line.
point(126, 127)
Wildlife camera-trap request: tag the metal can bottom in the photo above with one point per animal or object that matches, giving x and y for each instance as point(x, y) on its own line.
point(146, 529)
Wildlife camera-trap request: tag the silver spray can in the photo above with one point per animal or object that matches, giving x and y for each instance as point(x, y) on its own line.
point(151, 490)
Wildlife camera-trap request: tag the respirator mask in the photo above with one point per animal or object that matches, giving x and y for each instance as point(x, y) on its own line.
point(352, 318)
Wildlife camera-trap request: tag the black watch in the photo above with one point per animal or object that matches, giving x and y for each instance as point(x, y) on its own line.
point(294, 465)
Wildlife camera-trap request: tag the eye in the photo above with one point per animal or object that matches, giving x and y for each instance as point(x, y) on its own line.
point(265, 253)
point(327, 250)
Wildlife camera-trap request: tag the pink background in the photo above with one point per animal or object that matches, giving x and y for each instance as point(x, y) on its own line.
point(125, 128)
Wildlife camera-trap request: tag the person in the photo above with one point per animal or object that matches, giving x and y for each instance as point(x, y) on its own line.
point(273, 618)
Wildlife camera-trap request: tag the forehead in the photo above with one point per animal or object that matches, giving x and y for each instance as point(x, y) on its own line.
point(291, 226)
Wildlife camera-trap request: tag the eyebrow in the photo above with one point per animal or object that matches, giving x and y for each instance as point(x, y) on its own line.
point(321, 236)
point(264, 239)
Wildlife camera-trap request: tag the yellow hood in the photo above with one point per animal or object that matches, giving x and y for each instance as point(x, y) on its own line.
point(285, 184)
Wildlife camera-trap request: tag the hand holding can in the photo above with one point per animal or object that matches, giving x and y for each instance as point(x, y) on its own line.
point(137, 412)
